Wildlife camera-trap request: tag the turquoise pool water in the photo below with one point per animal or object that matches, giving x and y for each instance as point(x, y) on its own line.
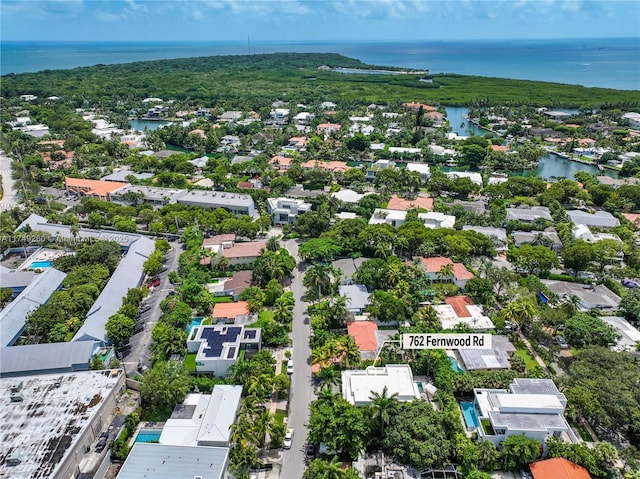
point(420, 388)
point(148, 435)
point(40, 264)
point(194, 322)
point(454, 364)
point(470, 416)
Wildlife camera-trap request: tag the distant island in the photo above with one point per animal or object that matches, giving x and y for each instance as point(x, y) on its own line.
point(260, 79)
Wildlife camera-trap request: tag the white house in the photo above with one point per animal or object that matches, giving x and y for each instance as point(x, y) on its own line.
point(474, 177)
point(379, 165)
point(358, 386)
point(460, 310)
point(422, 169)
point(286, 210)
point(396, 218)
point(217, 346)
point(530, 407)
point(203, 419)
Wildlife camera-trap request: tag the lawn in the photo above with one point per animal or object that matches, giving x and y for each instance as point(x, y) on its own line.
point(190, 362)
point(529, 360)
point(222, 299)
point(280, 415)
point(265, 315)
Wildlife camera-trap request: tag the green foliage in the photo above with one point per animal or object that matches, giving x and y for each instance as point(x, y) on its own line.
point(535, 260)
point(518, 451)
point(596, 377)
point(420, 436)
point(630, 305)
point(339, 425)
point(319, 250)
point(584, 330)
point(165, 385)
point(119, 329)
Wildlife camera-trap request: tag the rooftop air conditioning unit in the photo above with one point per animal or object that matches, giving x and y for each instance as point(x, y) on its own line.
point(16, 397)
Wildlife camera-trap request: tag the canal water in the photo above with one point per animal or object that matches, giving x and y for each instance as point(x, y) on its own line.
point(140, 125)
point(549, 166)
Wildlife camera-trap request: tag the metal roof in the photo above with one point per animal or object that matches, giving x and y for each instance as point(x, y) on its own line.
point(13, 317)
point(220, 415)
point(157, 461)
point(128, 274)
point(40, 358)
point(357, 296)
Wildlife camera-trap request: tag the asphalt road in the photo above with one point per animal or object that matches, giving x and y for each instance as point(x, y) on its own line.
point(8, 200)
point(301, 392)
point(141, 342)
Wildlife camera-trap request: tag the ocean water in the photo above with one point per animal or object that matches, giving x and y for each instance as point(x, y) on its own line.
point(608, 63)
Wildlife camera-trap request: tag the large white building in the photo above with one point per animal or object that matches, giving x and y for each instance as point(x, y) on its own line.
point(531, 407)
point(396, 218)
point(358, 386)
point(50, 422)
point(203, 419)
point(286, 210)
point(217, 347)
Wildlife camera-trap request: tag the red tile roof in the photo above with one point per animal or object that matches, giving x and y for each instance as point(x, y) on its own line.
point(558, 468)
point(633, 217)
point(416, 106)
point(364, 332)
point(326, 165)
point(396, 203)
point(459, 305)
point(93, 187)
point(249, 249)
point(218, 239)
point(329, 126)
point(245, 185)
point(498, 148)
point(434, 264)
point(230, 310)
point(277, 161)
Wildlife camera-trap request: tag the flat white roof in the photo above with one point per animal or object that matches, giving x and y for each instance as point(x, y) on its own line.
point(630, 335)
point(359, 385)
point(43, 428)
point(449, 319)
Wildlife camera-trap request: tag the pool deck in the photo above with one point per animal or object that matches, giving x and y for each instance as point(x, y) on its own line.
point(41, 255)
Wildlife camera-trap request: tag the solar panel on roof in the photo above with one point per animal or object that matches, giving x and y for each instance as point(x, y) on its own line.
point(250, 334)
point(231, 354)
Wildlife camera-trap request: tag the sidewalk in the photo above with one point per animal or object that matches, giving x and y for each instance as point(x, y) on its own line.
point(277, 403)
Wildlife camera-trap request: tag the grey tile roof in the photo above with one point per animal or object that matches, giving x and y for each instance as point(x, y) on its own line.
point(357, 296)
point(529, 214)
point(496, 358)
point(602, 219)
point(41, 358)
point(13, 317)
point(157, 461)
point(127, 275)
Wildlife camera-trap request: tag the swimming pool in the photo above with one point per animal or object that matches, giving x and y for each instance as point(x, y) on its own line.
point(470, 416)
point(194, 322)
point(148, 435)
point(454, 364)
point(40, 264)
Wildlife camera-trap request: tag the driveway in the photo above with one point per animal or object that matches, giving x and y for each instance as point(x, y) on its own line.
point(8, 200)
point(141, 343)
point(301, 393)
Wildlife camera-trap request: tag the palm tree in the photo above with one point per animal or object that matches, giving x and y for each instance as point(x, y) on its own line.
point(349, 351)
point(283, 313)
point(273, 244)
point(519, 312)
point(382, 250)
point(326, 394)
point(382, 407)
point(394, 273)
point(260, 385)
point(428, 316)
point(262, 427)
point(333, 469)
point(273, 267)
point(401, 243)
point(317, 279)
point(320, 356)
point(446, 272)
point(329, 376)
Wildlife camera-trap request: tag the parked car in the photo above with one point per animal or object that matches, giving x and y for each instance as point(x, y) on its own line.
point(310, 450)
point(144, 308)
point(288, 439)
point(290, 366)
point(561, 342)
point(628, 283)
point(102, 443)
point(153, 282)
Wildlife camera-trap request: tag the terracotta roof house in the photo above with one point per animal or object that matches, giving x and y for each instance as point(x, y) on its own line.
point(634, 218)
point(281, 163)
point(230, 312)
point(460, 309)
point(93, 188)
point(499, 148)
point(416, 106)
point(328, 127)
point(199, 132)
point(364, 333)
point(236, 253)
point(397, 203)
point(333, 166)
point(558, 468)
point(433, 266)
point(64, 162)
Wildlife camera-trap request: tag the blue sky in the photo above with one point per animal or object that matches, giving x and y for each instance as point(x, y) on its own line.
point(310, 20)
